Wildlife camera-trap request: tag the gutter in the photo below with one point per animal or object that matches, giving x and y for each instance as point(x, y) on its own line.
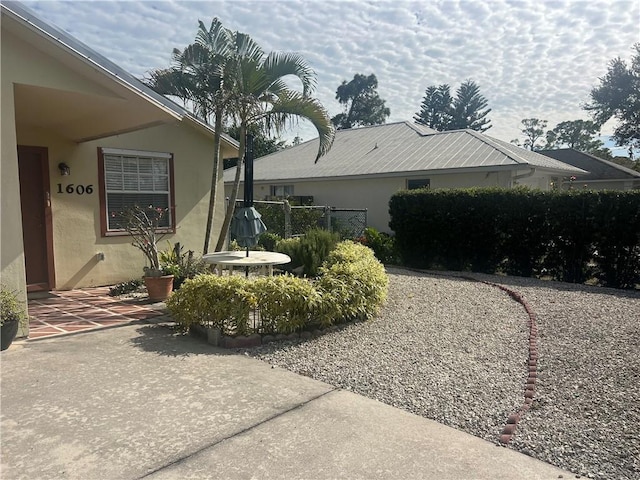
point(525, 175)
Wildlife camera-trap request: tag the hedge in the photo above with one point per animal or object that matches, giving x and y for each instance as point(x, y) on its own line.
point(570, 235)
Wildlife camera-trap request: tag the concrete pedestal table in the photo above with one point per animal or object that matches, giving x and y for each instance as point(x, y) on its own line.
point(240, 259)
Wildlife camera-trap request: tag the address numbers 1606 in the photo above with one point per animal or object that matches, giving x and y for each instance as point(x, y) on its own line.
point(77, 189)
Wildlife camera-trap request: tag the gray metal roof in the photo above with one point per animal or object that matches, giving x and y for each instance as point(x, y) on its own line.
point(400, 148)
point(599, 168)
point(59, 36)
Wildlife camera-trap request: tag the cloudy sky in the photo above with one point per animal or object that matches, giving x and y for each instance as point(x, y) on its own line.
point(531, 58)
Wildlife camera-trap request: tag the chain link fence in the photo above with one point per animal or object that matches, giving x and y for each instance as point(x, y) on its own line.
point(289, 221)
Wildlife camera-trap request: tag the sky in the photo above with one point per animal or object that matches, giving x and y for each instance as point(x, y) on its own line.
point(530, 58)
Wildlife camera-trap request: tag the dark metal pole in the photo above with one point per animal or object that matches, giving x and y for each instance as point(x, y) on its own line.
point(248, 179)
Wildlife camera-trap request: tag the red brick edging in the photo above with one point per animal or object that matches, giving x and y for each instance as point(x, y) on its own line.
point(530, 386)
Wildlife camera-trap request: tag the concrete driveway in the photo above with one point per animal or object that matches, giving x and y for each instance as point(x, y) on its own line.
point(139, 401)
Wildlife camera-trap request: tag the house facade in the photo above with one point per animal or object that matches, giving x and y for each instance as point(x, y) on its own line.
point(603, 174)
point(366, 166)
point(81, 140)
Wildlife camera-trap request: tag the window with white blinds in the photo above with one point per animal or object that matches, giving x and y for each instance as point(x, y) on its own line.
point(135, 178)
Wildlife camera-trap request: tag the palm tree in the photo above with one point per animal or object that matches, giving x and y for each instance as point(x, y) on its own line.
point(226, 74)
point(198, 78)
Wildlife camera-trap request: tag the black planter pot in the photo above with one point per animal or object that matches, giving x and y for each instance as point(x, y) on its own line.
point(8, 332)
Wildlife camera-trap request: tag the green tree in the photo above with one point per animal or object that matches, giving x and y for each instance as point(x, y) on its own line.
point(199, 77)
point(577, 134)
point(436, 108)
point(533, 130)
point(618, 97)
point(362, 104)
point(440, 111)
point(262, 143)
point(260, 95)
point(227, 74)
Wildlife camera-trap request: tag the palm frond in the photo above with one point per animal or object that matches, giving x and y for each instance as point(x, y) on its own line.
point(295, 104)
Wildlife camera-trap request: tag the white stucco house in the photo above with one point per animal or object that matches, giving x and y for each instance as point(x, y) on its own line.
point(603, 174)
point(82, 139)
point(366, 166)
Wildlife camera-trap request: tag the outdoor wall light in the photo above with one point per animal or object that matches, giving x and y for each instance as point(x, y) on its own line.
point(64, 169)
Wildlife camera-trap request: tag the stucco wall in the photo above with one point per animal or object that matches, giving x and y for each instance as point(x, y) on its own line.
point(76, 218)
point(12, 272)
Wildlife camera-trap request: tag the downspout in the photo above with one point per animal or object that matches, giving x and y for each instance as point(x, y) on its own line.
point(515, 179)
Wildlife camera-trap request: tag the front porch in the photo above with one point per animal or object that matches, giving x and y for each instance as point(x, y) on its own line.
point(81, 310)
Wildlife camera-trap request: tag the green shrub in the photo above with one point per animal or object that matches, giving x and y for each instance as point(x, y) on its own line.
point(182, 265)
point(353, 284)
point(570, 236)
point(269, 240)
point(291, 247)
point(382, 244)
point(10, 308)
point(314, 248)
point(286, 303)
point(125, 287)
point(214, 301)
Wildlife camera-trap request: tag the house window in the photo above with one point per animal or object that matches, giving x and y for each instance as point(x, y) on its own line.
point(415, 183)
point(282, 191)
point(131, 177)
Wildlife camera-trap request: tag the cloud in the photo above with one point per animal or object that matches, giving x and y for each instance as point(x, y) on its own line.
point(531, 58)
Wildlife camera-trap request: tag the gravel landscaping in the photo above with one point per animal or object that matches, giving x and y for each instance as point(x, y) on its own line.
point(455, 351)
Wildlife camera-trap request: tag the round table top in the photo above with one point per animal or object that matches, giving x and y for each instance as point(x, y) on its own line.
point(239, 258)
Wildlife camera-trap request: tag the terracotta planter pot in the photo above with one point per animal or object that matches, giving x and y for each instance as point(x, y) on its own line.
point(159, 288)
point(8, 332)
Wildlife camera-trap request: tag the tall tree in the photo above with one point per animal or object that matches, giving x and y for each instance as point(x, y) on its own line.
point(618, 97)
point(533, 130)
point(440, 111)
point(229, 74)
point(436, 109)
point(259, 94)
point(362, 104)
point(198, 77)
point(262, 143)
point(576, 134)
point(470, 108)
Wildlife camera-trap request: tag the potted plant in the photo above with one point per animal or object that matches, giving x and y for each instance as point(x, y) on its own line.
point(145, 227)
point(12, 316)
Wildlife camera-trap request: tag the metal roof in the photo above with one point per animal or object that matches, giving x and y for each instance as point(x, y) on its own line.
point(400, 148)
point(599, 168)
point(75, 46)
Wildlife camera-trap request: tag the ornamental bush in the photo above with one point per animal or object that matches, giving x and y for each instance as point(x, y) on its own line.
point(214, 301)
point(352, 285)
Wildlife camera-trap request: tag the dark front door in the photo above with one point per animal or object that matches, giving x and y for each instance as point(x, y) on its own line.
point(35, 201)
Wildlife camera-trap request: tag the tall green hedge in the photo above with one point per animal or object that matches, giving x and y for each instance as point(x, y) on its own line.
point(569, 235)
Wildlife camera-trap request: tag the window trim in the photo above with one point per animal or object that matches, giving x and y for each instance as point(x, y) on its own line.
point(272, 190)
point(104, 231)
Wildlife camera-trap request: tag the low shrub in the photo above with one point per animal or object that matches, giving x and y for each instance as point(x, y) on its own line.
point(11, 310)
point(285, 303)
point(182, 265)
point(382, 244)
point(214, 301)
point(269, 240)
point(125, 287)
point(353, 284)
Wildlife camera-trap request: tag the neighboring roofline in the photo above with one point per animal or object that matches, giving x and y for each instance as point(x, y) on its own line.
point(58, 37)
point(406, 173)
point(609, 180)
point(609, 163)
